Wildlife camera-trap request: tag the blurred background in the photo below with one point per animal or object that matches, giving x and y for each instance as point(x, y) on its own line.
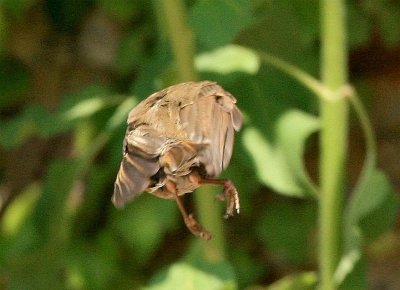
point(71, 70)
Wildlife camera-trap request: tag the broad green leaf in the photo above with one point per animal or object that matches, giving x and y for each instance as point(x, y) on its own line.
point(185, 276)
point(279, 30)
point(364, 202)
point(216, 23)
point(99, 266)
point(271, 169)
point(143, 223)
point(293, 129)
point(286, 230)
point(228, 59)
point(248, 267)
point(280, 165)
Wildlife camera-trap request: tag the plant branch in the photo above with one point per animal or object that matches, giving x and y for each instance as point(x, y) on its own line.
point(333, 139)
point(181, 38)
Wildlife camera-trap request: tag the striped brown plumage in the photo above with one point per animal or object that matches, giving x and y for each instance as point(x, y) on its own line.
point(176, 140)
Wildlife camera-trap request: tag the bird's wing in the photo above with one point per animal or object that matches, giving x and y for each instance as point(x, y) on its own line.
point(139, 163)
point(211, 118)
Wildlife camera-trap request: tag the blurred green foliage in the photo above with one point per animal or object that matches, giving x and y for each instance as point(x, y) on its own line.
point(59, 229)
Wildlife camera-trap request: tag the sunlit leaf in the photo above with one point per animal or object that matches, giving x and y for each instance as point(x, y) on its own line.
point(270, 167)
point(185, 276)
point(302, 281)
point(228, 59)
point(357, 279)
point(280, 165)
point(88, 107)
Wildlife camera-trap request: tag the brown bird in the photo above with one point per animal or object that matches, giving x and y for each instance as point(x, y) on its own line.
point(176, 140)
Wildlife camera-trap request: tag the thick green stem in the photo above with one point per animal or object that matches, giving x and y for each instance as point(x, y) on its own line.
point(182, 43)
point(333, 143)
point(181, 38)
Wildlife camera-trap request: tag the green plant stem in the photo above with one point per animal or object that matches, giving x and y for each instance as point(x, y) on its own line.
point(181, 38)
point(182, 43)
point(370, 140)
point(333, 141)
point(301, 76)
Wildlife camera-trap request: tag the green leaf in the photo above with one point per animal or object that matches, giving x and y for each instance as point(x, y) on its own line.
point(3, 31)
point(357, 279)
point(49, 214)
point(148, 79)
point(99, 266)
point(364, 202)
point(122, 9)
point(39, 245)
point(143, 223)
point(19, 210)
point(185, 276)
point(33, 120)
point(130, 52)
point(302, 281)
point(14, 78)
point(286, 229)
point(280, 165)
point(228, 59)
point(18, 7)
point(279, 22)
point(389, 20)
point(87, 107)
point(216, 23)
point(293, 129)
point(359, 26)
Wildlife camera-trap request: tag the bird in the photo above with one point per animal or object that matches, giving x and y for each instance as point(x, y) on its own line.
point(176, 140)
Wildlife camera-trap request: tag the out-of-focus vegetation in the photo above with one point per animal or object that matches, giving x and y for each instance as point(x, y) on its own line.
point(70, 71)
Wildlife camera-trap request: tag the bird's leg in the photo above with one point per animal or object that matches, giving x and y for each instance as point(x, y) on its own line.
point(230, 192)
point(189, 220)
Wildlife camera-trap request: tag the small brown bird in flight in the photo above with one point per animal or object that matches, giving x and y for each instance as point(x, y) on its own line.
point(176, 140)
